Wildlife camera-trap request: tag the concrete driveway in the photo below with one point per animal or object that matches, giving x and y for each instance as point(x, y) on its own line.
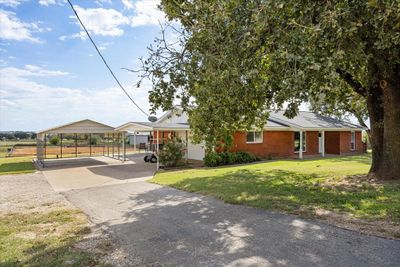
point(166, 227)
point(79, 173)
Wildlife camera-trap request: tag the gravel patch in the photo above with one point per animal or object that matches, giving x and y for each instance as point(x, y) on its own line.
point(27, 193)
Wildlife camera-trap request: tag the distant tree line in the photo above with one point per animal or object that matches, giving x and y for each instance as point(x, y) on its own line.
point(14, 135)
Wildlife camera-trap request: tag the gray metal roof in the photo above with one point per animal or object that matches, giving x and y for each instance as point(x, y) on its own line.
point(153, 126)
point(161, 125)
point(306, 119)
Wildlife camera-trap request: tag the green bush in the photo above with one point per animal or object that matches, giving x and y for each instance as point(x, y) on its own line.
point(213, 159)
point(172, 153)
point(54, 140)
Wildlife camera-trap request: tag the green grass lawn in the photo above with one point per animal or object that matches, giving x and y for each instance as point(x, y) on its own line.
point(295, 186)
point(44, 239)
point(16, 165)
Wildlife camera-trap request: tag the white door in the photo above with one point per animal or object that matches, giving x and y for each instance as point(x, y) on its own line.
point(319, 143)
point(195, 151)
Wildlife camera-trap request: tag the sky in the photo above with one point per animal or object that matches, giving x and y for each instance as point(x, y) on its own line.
point(50, 73)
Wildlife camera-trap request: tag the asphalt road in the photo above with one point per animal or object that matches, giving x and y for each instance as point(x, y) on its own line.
point(168, 227)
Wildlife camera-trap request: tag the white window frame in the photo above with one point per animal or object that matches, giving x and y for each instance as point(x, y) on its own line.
point(260, 141)
point(304, 143)
point(353, 141)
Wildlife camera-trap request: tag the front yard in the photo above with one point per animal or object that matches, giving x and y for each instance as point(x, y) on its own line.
point(312, 188)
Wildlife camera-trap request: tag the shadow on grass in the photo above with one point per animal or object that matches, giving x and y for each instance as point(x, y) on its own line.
point(291, 191)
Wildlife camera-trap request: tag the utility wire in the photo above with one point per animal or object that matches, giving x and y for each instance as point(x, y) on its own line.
point(105, 62)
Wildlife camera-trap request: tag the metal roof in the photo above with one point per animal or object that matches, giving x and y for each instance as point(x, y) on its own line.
point(311, 120)
point(150, 126)
point(82, 126)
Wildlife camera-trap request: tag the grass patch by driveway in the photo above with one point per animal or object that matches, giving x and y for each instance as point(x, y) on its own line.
point(295, 186)
point(16, 165)
point(43, 239)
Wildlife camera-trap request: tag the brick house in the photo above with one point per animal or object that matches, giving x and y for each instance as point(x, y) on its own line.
point(308, 134)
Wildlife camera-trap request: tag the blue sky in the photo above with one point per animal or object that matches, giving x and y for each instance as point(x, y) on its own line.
point(50, 73)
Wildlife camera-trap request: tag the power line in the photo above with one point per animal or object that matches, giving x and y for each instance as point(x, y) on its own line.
point(105, 62)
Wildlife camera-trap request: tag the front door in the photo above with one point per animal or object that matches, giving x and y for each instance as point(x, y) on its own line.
point(319, 142)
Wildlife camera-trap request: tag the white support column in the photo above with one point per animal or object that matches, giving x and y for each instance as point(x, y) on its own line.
point(123, 145)
point(187, 145)
point(157, 149)
point(323, 143)
point(301, 145)
point(134, 141)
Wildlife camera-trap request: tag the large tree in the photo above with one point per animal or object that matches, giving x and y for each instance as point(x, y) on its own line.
point(237, 59)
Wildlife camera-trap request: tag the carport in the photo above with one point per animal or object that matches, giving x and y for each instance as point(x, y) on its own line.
point(161, 131)
point(112, 142)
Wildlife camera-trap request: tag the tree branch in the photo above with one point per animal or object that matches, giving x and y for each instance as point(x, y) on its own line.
point(349, 79)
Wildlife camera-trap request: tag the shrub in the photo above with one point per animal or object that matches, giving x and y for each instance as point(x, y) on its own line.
point(54, 140)
point(213, 159)
point(95, 139)
point(172, 153)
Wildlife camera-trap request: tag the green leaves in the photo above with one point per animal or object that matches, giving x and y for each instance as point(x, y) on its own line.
point(238, 59)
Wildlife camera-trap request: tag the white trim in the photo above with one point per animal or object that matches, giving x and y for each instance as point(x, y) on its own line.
point(254, 135)
point(301, 142)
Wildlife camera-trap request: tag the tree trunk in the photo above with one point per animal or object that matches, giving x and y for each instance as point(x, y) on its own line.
point(375, 110)
point(390, 164)
point(384, 109)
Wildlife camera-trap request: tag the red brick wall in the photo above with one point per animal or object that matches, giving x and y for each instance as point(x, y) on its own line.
point(345, 138)
point(280, 144)
point(276, 144)
point(311, 143)
point(332, 142)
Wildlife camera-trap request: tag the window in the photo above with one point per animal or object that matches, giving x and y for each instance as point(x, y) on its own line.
point(254, 137)
point(353, 141)
point(297, 142)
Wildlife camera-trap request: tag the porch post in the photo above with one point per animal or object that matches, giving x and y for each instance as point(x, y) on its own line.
point(158, 159)
point(76, 145)
point(134, 141)
point(61, 137)
point(123, 145)
point(301, 145)
point(323, 143)
point(187, 146)
point(90, 145)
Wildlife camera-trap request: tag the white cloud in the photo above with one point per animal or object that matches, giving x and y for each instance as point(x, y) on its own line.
point(81, 35)
point(11, 3)
point(52, 2)
point(101, 21)
point(102, 2)
point(146, 13)
point(11, 28)
point(27, 104)
point(32, 70)
point(128, 4)
point(47, 2)
point(103, 46)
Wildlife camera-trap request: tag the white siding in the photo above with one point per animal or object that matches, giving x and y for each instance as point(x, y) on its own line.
point(175, 118)
point(195, 151)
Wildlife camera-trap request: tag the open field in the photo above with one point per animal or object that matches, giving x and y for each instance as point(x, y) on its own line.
point(314, 187)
